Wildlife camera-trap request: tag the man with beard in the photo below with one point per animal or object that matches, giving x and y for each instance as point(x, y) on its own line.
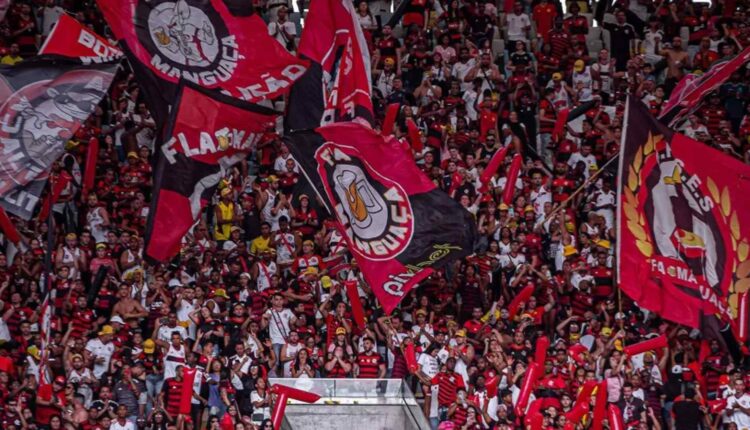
point(369, 364)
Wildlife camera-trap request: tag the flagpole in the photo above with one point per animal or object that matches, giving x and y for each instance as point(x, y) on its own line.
point(45, 287)
point(577, 191)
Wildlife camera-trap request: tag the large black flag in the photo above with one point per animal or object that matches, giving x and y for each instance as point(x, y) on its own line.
point(44, 101)
point(396, 223)
point(217, 44)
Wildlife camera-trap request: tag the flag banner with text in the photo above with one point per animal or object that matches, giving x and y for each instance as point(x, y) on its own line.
point(43, 102)
point(217, 44)
point(397, 224)
point(70, 38)
point(683, 223)
point(207, 134)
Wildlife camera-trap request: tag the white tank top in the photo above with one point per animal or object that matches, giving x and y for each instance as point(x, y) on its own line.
point(173, 358)
point(270, 203)
point(95, 221)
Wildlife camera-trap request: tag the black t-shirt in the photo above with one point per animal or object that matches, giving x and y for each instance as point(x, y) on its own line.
point(687, 414)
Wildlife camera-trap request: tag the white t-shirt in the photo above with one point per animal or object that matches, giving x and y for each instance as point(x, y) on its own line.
point(460, 70)
point(738, 417)
point(588, 160)
point(99, 349)
point(430, 365)
point(278, 324)
point(274, 29)
point(516, 26)
point(115, 425)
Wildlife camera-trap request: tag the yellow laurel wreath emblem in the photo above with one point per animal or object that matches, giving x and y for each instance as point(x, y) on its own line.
point(636, 224)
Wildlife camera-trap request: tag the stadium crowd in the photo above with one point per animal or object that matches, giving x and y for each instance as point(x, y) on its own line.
point(257, 289)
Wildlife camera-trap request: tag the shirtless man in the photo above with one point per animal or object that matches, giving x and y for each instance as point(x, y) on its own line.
point(127, 307)
point(677, 61)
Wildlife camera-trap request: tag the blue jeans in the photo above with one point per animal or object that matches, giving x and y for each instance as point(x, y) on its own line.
point(154, 384)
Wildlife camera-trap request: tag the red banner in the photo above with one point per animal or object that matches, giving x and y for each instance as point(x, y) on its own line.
point(204, 42)
point(683, 223)
point(70, 38)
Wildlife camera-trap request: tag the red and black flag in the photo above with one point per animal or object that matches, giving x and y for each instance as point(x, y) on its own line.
point(336, 87)
point(207, 133)
point(397, 224)
point(70, 38)
point(43, 102)
point(692, 89)
point(683, 224)
point(216, 44)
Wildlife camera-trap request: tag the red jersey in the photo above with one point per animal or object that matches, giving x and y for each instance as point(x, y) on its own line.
point(369, 365)
point(577, 26)
point(544, 16)
point(448, 383)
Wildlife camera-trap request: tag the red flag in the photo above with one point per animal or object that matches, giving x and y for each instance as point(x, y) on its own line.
point(57, 188)
point(558, 131)
point(410, 355)
point(656, 343)
point(600, 408)
point(690, 95)
point(533, 372)
point(186, 396)
point(357, 311)
point(576, 352)
point(492, 385)
point(521, 297)
point(414, 137)
point(384, 207)
point(683, 223)
point(580, 409)
point(510, 183)
point(534, 418)
point(89, 174)
point(717, 406)
point(390, 119)
point(542, 345)
point(337, 85)
point(492, 167)
point(7, 227)
point(614, 417)
point(70, 38)
point(208, 133)
point(284, 393)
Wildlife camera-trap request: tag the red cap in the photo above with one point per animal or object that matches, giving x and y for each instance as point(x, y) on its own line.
point(60, 380)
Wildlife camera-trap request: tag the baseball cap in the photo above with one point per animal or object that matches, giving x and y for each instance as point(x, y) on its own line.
point(461, 333)
point(60, 380)
point(149, 346)
point(220, 292)
point(340, 330)
point(556, 76)
point(579, 65)
point(117, 319)
point(107, 329)
point(132, 154)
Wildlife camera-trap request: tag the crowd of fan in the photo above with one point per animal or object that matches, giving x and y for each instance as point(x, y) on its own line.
point(257, 289)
